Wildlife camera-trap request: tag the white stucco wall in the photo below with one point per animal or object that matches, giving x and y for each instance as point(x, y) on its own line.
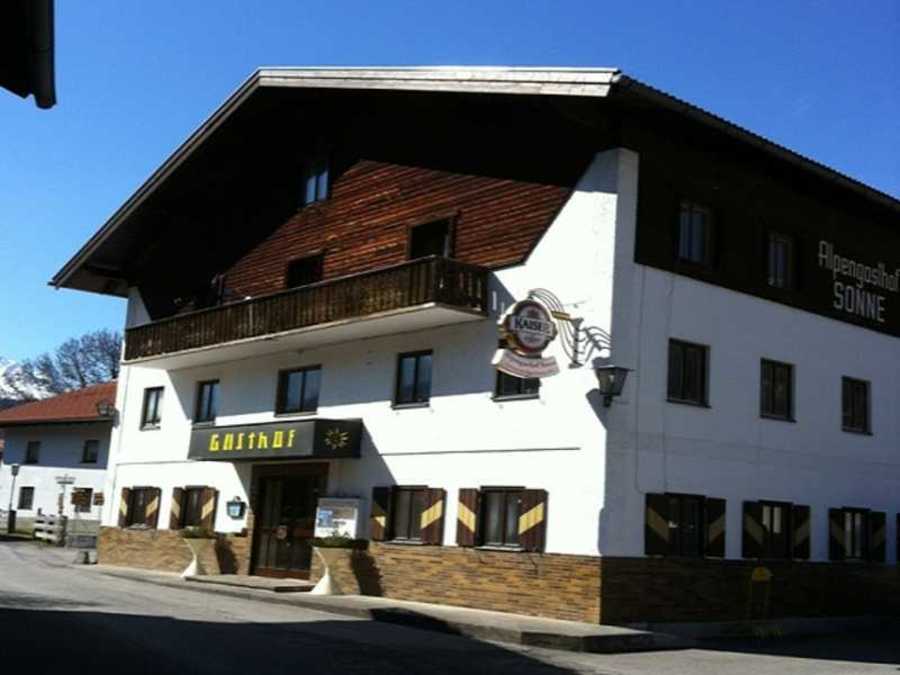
point(60, 454)
point(464, 438)
point(728, 450)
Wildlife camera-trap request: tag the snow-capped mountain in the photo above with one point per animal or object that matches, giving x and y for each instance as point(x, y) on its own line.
point(13, 387)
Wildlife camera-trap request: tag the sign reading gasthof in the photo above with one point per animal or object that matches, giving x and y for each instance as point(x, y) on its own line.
point(315, 438)
point(527, 329)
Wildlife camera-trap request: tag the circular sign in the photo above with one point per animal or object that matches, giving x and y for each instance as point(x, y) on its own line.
point(529, 327)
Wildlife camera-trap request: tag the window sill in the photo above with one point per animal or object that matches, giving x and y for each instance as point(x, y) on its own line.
point(777, 418)
point(150, 427)
point(88, 463)
point(516, 397)
point(405, 542)
point(695, 404)
point(860, 432)
point(410, 406)
point(205, 424)
point(298, 413)
point(507, 549)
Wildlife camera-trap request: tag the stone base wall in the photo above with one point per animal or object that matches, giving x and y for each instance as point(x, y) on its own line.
point(667, 589)
point(167, 551)
point(556, 586)
point(159, 550)
point(579, 588)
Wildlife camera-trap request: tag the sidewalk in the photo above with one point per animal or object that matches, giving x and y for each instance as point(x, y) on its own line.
point(475, 623)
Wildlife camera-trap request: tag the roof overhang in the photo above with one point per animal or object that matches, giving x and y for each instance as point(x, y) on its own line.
point(568, 82)
point(55, 422)
point(27, 50)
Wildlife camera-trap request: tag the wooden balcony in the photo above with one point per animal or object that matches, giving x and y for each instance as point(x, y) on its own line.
point(451, 290)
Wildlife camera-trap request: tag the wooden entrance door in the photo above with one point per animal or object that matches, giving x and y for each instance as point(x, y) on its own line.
point(286, 520)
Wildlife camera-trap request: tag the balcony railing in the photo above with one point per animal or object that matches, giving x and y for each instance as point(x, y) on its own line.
point(419, 282)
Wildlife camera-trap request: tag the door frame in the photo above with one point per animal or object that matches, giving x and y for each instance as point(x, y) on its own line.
point(275, 470)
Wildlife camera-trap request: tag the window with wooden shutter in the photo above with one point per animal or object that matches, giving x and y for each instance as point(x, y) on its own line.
point(800, 532)
point(380, 512)
point(151, 517)
point(877, 536)
point(533, 520)
point(208, 499)
point(124, 506)
point(467, 517)
point(176, 509)
point(768, 532)
point(715, 527)
point(656, 525)
point(836, 534)
point(753, 530)
point(432, 518)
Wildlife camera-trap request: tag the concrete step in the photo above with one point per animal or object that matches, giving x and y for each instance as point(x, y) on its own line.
point(256, 583)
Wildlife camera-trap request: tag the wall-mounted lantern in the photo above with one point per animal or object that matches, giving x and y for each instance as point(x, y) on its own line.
point(236, 508)
point(610, 381)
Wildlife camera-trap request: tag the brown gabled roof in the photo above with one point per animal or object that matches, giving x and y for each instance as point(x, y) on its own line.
point(73, 406)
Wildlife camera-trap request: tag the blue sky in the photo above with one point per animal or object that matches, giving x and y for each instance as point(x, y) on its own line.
point(135, 78)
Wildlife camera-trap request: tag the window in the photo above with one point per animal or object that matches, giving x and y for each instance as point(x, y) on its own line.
point(192, 507)
point(315, 179)
point(685, 525)
point(509, 386)
point(138, 503)
point(856, 526)
point(500, 514)
point(855, 404)
point(775, 528)
point(304, 271)
point(207, 401)
point(33, 452)
point(298, 390)
point(781, 261)
point(776, 390)
point(90, 452)
point(406, 511)
point(687, 372)
point(151, 414)
point(26, 498)
point(695, 234)
point(430, 239)
point(413, 379)
point(84, 502)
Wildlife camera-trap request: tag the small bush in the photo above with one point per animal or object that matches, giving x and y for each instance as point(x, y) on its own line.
point(197, 533)
point(337, 541)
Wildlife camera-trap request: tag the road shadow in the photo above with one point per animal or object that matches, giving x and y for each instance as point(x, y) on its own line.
point(55, 641)
point(875, 646)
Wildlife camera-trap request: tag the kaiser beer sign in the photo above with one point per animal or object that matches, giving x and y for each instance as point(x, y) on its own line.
point(527, 329)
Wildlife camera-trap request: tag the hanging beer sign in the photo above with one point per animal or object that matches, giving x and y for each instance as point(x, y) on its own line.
point(527, 329)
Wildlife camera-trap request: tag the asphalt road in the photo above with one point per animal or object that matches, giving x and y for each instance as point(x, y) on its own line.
point(60, 618)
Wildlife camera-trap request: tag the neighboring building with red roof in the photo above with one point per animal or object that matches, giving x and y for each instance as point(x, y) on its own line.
point(60, 444)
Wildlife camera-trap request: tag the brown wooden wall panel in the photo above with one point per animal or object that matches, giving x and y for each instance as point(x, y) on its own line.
point(364, 224)
point(751, 198)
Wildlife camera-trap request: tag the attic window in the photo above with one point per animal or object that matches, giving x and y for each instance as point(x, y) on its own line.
point(429, 239)
point(304, 271)
point(315, 179)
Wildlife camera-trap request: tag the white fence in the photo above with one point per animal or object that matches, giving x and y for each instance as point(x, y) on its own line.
point(50, 528)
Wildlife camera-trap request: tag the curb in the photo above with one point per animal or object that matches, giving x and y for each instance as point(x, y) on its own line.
point(619, 641)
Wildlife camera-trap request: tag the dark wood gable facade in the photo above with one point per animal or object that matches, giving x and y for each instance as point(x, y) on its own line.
point(367, 221)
